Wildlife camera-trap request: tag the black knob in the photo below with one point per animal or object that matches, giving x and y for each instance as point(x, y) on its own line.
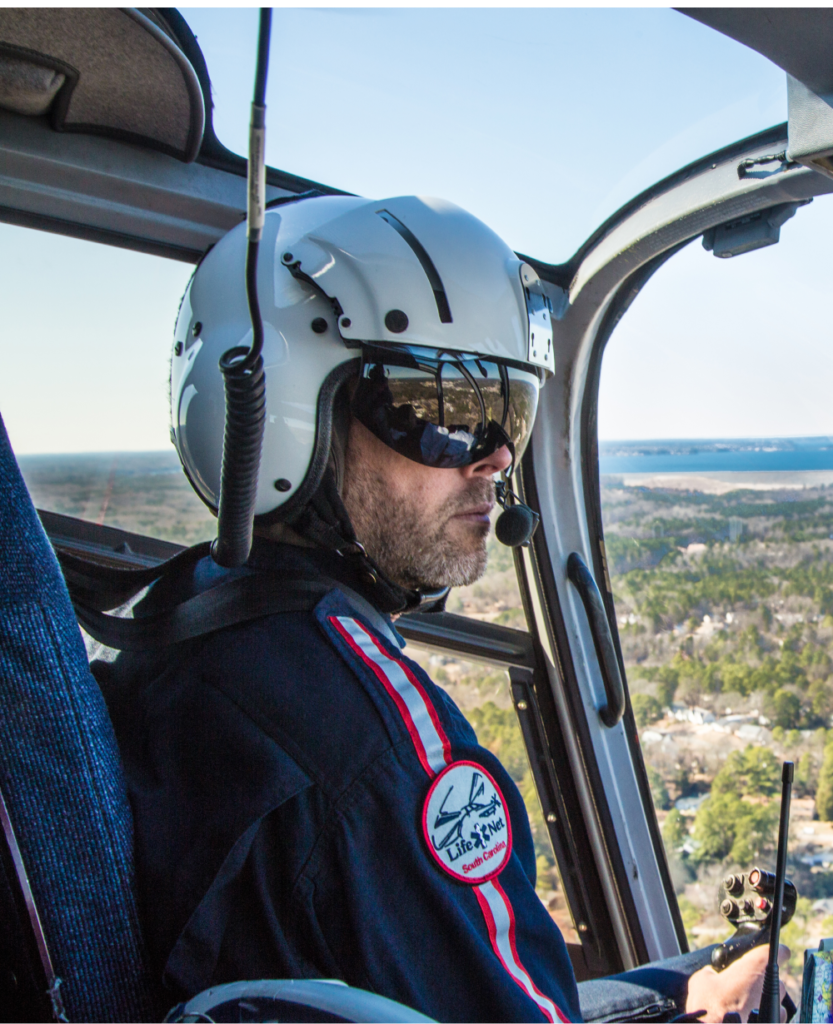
point(728, 908)
point(733, 883)
point(762, 881)
point(396, 321)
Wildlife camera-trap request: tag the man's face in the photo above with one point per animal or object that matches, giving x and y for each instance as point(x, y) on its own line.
point(425, 528)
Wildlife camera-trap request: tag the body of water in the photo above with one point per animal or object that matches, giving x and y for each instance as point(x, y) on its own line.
point(715, 462)
point(796, 454)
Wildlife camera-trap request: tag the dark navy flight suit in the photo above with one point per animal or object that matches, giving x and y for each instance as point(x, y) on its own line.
point(278, 773)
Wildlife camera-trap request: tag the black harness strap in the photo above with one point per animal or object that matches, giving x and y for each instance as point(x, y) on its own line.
point(95, 588)
point(227, 604)
point(104, 587)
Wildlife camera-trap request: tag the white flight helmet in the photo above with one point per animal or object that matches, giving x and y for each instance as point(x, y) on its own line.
point(446, 330)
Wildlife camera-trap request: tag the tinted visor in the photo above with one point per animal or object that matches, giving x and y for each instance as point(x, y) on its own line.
point(445, 409)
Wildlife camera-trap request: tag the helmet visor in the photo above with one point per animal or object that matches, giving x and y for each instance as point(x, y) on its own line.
point(445, 409)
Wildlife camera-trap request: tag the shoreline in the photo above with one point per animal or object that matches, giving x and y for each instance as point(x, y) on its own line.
point(723, 482)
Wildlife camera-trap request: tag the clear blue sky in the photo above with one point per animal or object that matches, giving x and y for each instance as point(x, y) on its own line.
point(540, 121)
point(729, 348)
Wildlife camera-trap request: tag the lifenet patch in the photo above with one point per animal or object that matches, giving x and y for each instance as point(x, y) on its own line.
point(466, 824)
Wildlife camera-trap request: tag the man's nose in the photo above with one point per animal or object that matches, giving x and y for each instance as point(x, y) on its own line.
point(497, 462)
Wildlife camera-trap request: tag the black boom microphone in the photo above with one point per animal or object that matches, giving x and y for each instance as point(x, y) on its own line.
point(517, 522)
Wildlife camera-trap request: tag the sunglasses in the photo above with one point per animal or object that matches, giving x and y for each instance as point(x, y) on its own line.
point(445, 409)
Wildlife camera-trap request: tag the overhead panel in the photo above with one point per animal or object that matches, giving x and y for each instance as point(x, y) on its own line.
point(106, 134)
point(799, 40)
point(115, 72)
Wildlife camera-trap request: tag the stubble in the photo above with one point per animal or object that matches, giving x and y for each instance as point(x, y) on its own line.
point(416, 547)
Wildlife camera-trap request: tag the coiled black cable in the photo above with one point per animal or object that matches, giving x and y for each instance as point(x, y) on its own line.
point(243, 377)
point(245, 390)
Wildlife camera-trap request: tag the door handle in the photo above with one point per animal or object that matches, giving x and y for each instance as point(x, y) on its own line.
point(582, 579)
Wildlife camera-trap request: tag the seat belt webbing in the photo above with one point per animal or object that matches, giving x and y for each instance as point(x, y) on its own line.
point(53, 982)
point(227, 604)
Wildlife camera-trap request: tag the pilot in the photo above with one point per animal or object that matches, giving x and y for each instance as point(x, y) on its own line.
point(308, 803)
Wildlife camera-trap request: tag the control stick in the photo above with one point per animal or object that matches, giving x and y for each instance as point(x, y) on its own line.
point(747, 902)
point(770, 1009)
point(757, 903)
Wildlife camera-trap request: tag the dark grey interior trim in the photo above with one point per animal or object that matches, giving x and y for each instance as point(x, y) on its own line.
point(471, 638)
point(114, 192)
point(797, 39)
point(106, 544)
point(442, 631)
point(585, 582)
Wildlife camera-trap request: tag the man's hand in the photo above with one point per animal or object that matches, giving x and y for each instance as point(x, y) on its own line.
point(737, 989)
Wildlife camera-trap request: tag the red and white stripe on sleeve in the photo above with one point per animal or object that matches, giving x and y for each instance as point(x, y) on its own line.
point(434, 753)
point(409, 696)
point(500, 920)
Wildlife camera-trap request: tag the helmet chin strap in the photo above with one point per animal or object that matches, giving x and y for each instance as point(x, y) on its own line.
point(325, 521)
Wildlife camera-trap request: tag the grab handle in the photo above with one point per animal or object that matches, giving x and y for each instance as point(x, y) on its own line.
point(582, 579)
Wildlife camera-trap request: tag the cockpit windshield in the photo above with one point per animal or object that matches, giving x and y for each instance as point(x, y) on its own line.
point(503, 111)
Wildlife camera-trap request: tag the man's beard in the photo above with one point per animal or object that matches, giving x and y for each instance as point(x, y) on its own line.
point(411, 546)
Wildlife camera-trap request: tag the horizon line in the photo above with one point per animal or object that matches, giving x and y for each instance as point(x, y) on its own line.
point(602, 440)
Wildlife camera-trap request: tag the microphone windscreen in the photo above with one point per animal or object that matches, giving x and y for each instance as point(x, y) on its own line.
point(515, 526)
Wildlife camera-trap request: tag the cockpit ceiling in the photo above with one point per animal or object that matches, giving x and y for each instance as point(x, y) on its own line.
point(115, 72)
point(796, 39)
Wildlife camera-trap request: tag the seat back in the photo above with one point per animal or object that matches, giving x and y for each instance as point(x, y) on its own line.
point(63, 785)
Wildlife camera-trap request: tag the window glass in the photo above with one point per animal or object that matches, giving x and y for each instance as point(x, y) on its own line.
point(482, 692)
point(141, 492)
point(503, 111)
point(84, 389)
point(716, 462)
point(496, 597)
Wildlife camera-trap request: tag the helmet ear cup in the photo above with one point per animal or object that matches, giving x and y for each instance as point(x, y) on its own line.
point(326, 452)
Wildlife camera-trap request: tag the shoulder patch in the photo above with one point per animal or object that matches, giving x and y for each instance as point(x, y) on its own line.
point(466, 824)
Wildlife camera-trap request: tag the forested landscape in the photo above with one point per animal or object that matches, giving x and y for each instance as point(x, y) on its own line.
point(725, 611)
point(724, 602)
